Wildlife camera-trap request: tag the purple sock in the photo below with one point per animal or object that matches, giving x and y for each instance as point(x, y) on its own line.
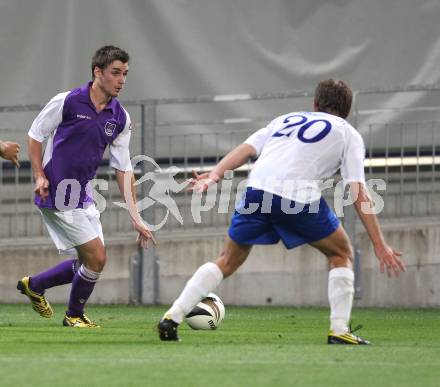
point(60, 274)
point(82, 287)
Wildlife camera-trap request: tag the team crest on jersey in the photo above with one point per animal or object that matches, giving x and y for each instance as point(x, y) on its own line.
point(109, 128)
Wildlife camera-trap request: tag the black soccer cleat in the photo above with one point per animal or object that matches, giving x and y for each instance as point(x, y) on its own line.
point(167, 329)
point(347, 338)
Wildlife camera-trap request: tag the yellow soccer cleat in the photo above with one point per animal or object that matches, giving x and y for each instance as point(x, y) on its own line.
point(79, 322)
point(346, 338)
point(38, 301)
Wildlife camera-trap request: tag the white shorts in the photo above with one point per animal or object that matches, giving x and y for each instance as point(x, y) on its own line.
point(72, 228)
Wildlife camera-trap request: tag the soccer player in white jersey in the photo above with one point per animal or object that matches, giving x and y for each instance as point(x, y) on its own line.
point(78, 126)
point(295, 152)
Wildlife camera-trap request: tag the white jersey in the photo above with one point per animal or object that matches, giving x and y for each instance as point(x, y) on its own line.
point(298, 151)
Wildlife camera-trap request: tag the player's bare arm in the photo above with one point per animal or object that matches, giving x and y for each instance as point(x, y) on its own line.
point(388, 257)
point(234, 159)
point(9, 151)
point(126, 186)
point(35, 149)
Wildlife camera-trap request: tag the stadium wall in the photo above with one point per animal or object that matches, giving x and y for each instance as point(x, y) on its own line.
point(197, 47)
point(271, 275)
point(22, 257)
point(274, 275)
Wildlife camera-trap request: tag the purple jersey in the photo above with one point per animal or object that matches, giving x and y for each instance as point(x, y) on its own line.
point(77, 137)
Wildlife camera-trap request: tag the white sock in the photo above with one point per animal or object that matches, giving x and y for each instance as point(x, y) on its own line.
point(340, 296)
point(204, 281)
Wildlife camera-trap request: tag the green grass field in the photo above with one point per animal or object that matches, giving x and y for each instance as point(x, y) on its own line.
point(254, 347)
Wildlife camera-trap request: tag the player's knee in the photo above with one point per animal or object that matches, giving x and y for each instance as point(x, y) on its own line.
point(227, 265)
point(97, 262)
point(101, 260)
point(232, 257)
point(343, 259)
point(347, 252)
point(344, 250)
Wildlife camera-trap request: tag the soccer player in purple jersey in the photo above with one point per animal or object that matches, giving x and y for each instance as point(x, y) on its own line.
point(295, 152)
point(78, 126)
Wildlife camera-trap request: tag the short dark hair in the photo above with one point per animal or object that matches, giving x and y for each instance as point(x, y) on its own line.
point(333, 97)
point(106, 55)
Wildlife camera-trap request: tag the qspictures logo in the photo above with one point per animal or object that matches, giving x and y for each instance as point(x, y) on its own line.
point(164, 189)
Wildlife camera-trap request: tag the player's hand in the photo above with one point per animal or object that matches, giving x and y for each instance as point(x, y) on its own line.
point(201, 183)
point(389, 260)
point(42, 187)
point(145, 236)
point(9, 150)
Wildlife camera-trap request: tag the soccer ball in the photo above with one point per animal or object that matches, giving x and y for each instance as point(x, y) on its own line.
point(207, 314)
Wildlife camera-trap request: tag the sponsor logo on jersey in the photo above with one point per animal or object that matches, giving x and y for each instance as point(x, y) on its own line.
point(83, 117)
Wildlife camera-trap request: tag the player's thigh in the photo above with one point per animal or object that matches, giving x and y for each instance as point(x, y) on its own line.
point(93, 216)
point(92, 253)
point(72, 228)
point(232, 256)
point(336, 247)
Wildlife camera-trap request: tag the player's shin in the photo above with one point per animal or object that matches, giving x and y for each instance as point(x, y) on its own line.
point(340, 295)
point(82, 287)
point(205, 280)
point(60, 274)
